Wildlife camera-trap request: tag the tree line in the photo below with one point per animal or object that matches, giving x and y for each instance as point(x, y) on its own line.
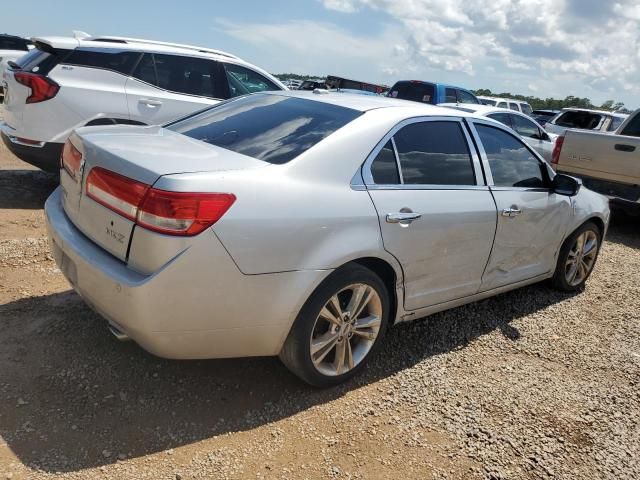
point(535, 102)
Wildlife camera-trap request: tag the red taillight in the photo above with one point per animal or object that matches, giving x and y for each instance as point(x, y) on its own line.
point(42, 88)
point(180, 213)
point(116, 192)
point(557, 148)
point(71, 159)
point(172, 213)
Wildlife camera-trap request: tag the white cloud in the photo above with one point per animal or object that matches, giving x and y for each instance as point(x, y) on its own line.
point(572, 42)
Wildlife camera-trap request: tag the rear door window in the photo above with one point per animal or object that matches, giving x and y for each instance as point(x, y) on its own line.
point(524, 127)
point(466, 97)
point(269, 127)
point(503, 118)
point(146, 70)
point(187, 75)
point(415, 91)
point(384, 168)
point(511, 162)
point(434, 153)
point(244, 80)
point(450, 95)
point(117, 61)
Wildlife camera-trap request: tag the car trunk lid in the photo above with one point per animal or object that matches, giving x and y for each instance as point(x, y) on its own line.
point(143, 155)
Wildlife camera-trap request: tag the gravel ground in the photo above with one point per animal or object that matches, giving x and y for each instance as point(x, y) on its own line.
point(532, 384)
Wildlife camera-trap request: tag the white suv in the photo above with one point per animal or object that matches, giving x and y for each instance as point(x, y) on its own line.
point(509, 103)
point(66, 83)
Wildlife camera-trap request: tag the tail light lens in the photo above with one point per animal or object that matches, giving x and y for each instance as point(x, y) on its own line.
point(71, 159)
point(42, 88)
point(557, 148)
point(116, 192)
point(171, 213)
point(178, 213)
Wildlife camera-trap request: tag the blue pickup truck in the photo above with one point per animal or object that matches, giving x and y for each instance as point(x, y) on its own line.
point(433, 93)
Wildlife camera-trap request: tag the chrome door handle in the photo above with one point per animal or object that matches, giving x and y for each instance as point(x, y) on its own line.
point(400, 217)
point(512, 211)
point(150, 102)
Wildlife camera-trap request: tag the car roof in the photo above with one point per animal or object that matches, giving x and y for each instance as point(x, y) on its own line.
point(503, 99)
point(478, 108)
point(364, 103)
point(445, 85)
point(138, 44)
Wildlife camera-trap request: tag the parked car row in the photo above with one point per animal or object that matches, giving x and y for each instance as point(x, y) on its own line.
point(299, 224)
point(65, 83)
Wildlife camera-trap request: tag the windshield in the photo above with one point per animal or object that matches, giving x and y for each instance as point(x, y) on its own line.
point(415, 91)
point(272, 128)
point(526, 108)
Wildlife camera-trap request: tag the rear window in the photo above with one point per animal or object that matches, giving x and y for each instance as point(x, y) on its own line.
point(272, 128)
point(415, 91)
point(583, 120)
point(40, 61)
point(13, 43)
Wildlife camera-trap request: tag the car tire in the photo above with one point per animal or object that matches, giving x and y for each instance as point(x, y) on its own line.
point(324, 350)
point(577, 258)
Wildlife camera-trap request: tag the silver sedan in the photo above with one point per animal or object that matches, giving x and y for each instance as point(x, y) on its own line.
point(305, 224)
point(531, 132)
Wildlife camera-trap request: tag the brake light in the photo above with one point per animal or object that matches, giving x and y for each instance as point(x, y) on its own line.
point(71, 159)
point(178, 213)
point(171, 213)
point(116, 192)
point(557, 148)
point(42, 88)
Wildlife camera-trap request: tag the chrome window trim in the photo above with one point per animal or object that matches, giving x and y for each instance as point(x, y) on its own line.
point(366, 166)
point(412, 186)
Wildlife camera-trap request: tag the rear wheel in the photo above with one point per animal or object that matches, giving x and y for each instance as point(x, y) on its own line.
point(577, 258)
point(339, 328)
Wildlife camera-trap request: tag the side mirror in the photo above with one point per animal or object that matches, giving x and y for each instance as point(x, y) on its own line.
point(566, 185)
point(546, 137)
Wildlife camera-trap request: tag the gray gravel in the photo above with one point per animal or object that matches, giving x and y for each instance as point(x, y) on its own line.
point(529, 385)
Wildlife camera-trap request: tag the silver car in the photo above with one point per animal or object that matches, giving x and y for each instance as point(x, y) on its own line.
point(304, 224)
point(531, 131)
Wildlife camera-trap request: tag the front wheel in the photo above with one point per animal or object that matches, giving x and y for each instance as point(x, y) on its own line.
point(339, 328)
point(577, 258)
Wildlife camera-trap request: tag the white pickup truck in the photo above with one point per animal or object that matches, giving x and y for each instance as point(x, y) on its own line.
point(608, 163)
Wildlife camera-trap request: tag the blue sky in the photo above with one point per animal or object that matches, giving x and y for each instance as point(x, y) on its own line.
point(586, 48)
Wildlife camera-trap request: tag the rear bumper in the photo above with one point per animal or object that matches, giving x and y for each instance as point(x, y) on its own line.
point(45, 155)
point(199, 305)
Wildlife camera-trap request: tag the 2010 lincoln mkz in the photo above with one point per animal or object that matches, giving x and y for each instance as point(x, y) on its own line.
point(305, 224)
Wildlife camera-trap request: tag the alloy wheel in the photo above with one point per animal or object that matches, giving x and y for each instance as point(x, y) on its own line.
point(346, 329)
point(581, 258)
